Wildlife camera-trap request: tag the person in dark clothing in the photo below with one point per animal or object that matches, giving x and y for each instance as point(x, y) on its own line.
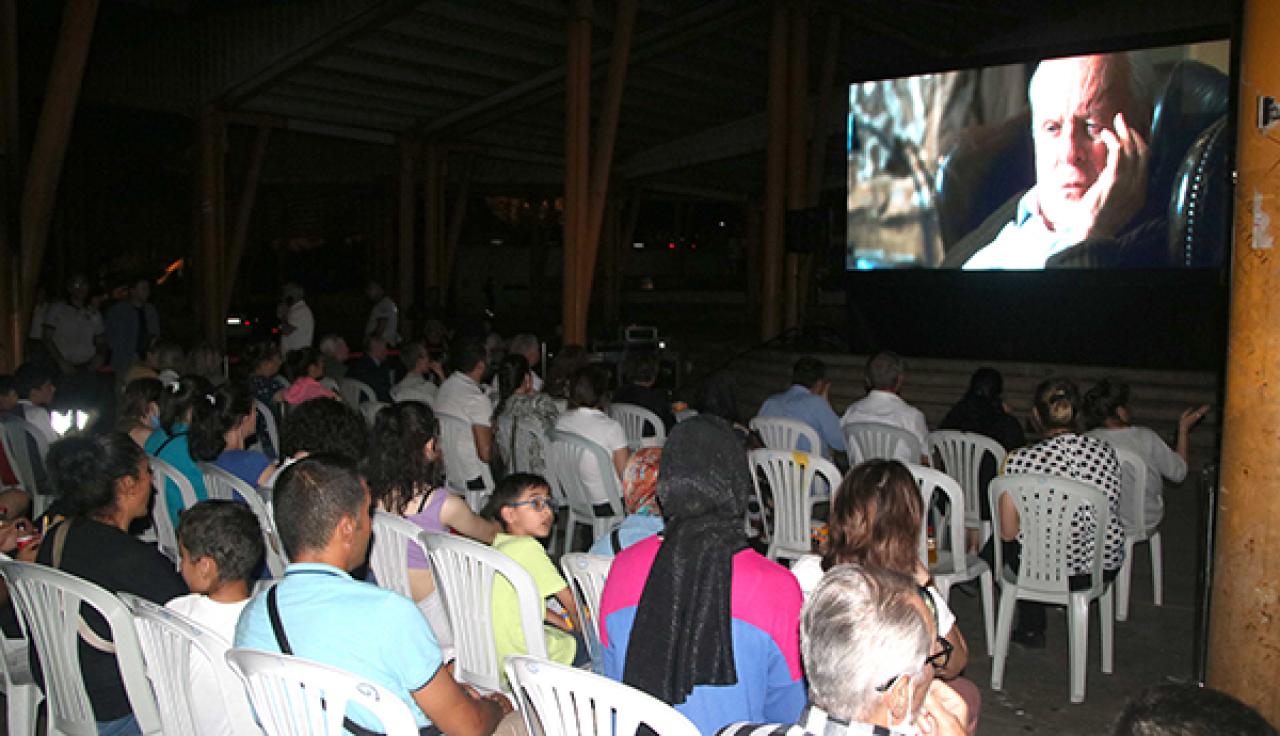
point(640, 373)
point(373, 369)
point(982, 410)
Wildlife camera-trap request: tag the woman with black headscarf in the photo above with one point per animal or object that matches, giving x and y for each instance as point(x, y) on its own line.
point(694, 616)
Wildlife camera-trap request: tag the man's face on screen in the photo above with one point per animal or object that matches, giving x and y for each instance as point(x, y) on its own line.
point(1072, 101)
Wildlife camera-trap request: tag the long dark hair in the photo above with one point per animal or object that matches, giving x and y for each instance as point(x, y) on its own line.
point(875, 518)
point(211, 420)
point(395, 467)
point(511, 374)
point(84, 470)
point(1103, 401)
point(181, 397)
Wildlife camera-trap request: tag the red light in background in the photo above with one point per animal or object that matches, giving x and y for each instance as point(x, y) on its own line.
point(693, 246)
point(671, 245)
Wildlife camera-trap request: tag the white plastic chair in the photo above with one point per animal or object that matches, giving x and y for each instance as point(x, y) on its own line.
point(166, 535)
point(453, 434)
point(21, 696)
point(269, 421)
point(517, 448)
point(389, 556)
point(49, 603)
point(356, 392)
point(962, 454)
point(220, 483)
point(586, 575)
point(1046, 506)
point(464, 572)
point(874, 441)
point(174, 647)
point(564, 462)
point(295, 697)
point(780, 433)
point(634, 419)
point(556, 700)
point(1133, 491)
point(952, 568)
point(792, 477)
point(370, 410)
point(18, 436)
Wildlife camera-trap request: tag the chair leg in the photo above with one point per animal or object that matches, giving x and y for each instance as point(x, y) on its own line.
point(1123, 580)
point(1078, 644)
point(1107, 624)
point(1157, 568)
point(1004, 629)
point(988, 614)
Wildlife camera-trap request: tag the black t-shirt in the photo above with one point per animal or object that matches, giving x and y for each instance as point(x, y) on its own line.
point(104, 555)
point(985, 418)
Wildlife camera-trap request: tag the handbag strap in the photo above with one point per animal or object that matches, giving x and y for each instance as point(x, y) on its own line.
point(90, 636)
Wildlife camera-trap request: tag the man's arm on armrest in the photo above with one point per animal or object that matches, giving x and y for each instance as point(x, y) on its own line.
point(455, 711)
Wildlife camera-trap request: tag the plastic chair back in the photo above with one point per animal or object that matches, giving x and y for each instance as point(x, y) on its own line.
point(634, 419)
point(791, 475)
point(17, 438)
point(586, 575)
point(931, 482)
point(875, 441)
point(356, 392)
point(453, 446)
point(163, 473)
point(269, 421)
point(565, 457)
point(293, 696)
point(370, 410)
point(1047, 506)
point(780, 433)
point(174, 646)
point(962, 454)
point(517, 447)
point(464, 572)
point(38, 437)
point(557, 700)
point(49, 603)
point(1133, 491)
point(223, 484)
point(389, 556)
point(22, 697)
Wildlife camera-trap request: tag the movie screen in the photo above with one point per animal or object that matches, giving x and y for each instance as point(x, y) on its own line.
point(1117, 160)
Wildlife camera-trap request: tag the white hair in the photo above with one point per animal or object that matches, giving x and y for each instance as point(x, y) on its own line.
point(329, 344)
point(860, 629)
point(1141, 87)
point(524, 343)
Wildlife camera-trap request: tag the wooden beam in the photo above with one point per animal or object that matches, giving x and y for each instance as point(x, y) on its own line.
point(458, 216)
point(212, 225)
point(12, 332)
point(52, 132)
point(797, 176)
point(244, 212)
point(372, 16)
point(409, 150)
point(577, 168)
point(775, 177)
point(433, 222)
point(606, 136)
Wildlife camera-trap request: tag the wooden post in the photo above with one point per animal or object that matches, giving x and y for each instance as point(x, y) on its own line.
point(433, 214)
point(12, 331)
point(1243, 634)
point(212, 224)
point(50, 145)
point(797, 175)
point(606, 136)
point(775, 176)
point(577, 172)
point(404, 226)
point(244, 212)
point(456, 219)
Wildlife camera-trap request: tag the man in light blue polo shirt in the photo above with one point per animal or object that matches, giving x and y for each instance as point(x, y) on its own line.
point(806, 401)
point(322, 513)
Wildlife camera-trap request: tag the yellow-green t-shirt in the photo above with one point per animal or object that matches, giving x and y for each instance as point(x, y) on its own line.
point(508, 635)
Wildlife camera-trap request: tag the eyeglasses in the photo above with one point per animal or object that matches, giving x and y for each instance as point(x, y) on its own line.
point(539, 503)
point(938, 660)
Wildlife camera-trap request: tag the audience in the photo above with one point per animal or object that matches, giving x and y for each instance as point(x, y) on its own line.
point(640, 373)
point(170, 360)
point(220, 430)
point(400, 470)
point(170, 441)
point(522, 505)
point(297, 324)
point(640, 499)
point(221, 547)
point(806, 401)
point(35, 387)
point(264, 364)
point(564, 365)
point(304, 369)
point(205, 360)
point(384, 317)
point(586, 418)
point(868, 641)
point(373, 369)
point(523, 418)
point(336, 354)
point(140, 409)
point(1188, 709)
point(1065, 453)
point(886, 375)
point(130, 325)
point(528, 347)
point(422, 377)
point(322, 514)
point(695, 617)
point(105, 484)
point(461, 397)
point(1106, 407)
point(876, 514)
point(324, 427)
point(73, 332)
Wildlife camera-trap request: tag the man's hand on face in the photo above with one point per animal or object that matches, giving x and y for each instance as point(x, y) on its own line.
point(1121, 187)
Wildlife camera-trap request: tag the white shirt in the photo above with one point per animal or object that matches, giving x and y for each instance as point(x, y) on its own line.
point(415, 387)
point(385, 309)
point(1161, 462)
point(40, 417)
point(886, 407)
point(462, 397)
point(1025, 243)
point(213, 714)
point(808, 572)
point(304, 327)
point(74, 330)
point(600, 428)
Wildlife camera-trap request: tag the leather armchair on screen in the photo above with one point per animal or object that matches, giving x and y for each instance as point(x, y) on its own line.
point(1188, 189)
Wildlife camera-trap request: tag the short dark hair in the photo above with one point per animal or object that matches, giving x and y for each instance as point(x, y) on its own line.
point(507, 491)
point(309, 499)
point(226, 532)
point(324, 426)
point(31, 376)
point(588, 387)
point(261, 352)
point(884, 369)
point(986, 384)
point(84, 470)
point(641, 367)
point(1186, 709)
point(6, 383)
point(297, 362)
point(1102, 401)
point(467, 355)
point(808, 371)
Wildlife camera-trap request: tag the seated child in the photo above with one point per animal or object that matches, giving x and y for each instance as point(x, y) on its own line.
point(304, 368)
point(522, 505)
point(221, 546)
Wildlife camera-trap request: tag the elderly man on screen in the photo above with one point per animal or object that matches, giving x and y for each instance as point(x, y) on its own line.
point(1090, 120)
